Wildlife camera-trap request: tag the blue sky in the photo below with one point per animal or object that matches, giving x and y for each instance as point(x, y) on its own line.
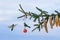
point(9, 13)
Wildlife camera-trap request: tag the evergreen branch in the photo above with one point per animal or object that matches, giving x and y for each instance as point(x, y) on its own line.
point(34, 29)
point(39, 9)
point(36, 16)
point(21, 7)
point(26, 25)
point(21, 16)
point(57, 11)
point(12, 26)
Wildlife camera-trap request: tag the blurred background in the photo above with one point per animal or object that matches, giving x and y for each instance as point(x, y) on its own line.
point(9, 13)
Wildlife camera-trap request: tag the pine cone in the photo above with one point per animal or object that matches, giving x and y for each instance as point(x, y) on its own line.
point(50, 20)
point(45, 26)
point(59, 23)
point(56, 20)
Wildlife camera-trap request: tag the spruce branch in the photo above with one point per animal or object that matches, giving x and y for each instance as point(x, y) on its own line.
point(36, 17)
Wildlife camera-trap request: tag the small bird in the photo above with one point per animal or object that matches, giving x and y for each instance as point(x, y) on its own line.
point(26, 25)
point(12, 26)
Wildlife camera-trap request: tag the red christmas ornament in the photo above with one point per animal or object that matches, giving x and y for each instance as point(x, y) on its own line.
point(25, 30)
